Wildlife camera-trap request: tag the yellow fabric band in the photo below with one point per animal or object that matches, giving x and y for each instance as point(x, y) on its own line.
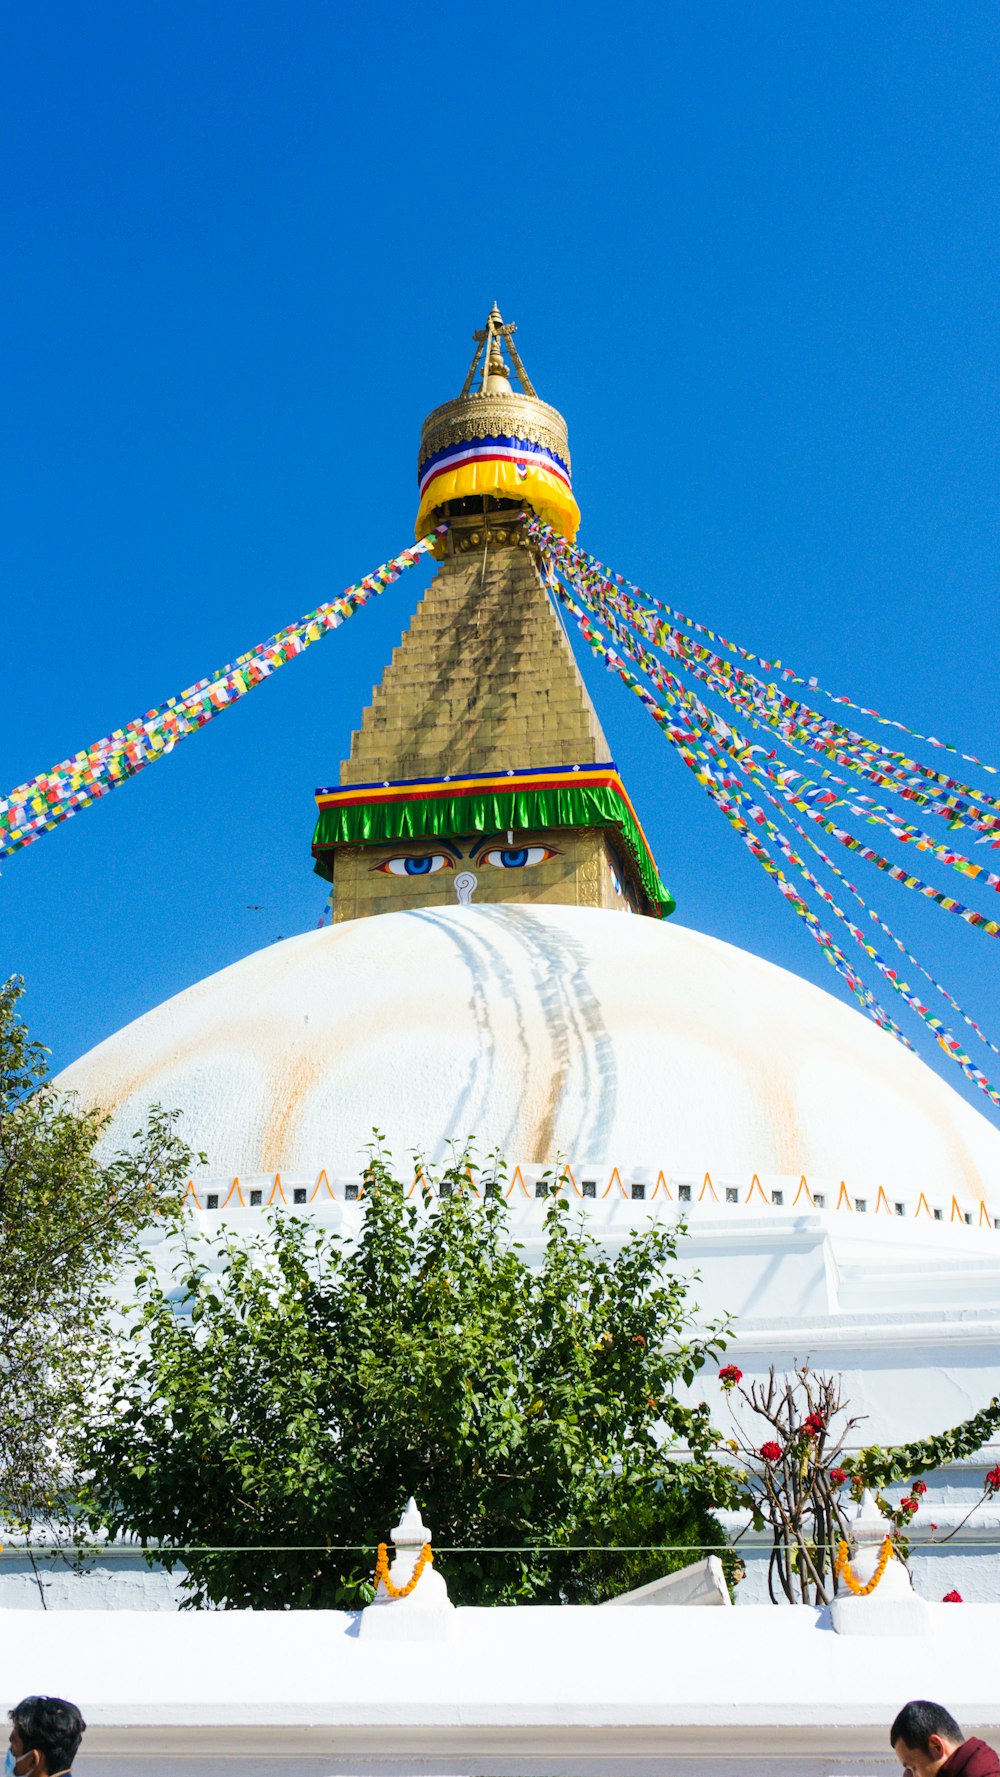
point(547, 496)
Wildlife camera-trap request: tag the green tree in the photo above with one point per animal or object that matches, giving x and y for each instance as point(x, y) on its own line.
point(69, 1219)
point(312, 1384)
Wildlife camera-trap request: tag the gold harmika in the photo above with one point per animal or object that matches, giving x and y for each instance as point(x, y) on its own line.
point(382, 1571)
point(494, 416)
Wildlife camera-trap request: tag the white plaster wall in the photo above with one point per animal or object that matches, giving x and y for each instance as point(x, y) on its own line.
point(121, 1582)
point(511, 1691)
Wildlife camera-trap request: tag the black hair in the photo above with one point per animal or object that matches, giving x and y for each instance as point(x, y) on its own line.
point(51, 1726)
point(917, 1721)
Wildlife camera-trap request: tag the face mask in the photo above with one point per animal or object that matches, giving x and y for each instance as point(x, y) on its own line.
point(11, 1763)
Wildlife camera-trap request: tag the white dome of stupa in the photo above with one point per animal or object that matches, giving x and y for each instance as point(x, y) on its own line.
point(542, 1032)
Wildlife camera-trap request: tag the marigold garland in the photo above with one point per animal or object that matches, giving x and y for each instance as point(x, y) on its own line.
point(842, 1569)
point(382, 1571)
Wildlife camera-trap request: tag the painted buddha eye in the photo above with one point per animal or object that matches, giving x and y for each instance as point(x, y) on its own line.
point(423, 864)
point(518, 857)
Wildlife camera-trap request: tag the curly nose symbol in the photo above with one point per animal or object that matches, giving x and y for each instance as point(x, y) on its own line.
point(465, 886)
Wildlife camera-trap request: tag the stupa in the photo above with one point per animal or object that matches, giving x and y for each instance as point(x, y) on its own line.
point(480, 979)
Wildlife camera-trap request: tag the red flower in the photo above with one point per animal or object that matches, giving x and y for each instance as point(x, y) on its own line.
point(815, 1423)
point(838, 1476)
point(918, 1489)
point(729, 1375)
point(953, 1598)
point(993, 1480)
point(909, 1506)
point(771, 1452)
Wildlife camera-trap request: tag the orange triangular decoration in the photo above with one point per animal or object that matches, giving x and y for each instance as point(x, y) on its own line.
point(803, 1186)
point(518, 1179)
point(922, 1200)
point(661, 1180)
point(708, 1186)
point(189, 1191)
point(615, 1179)
point(755, 1185)
point(844, 1197)
point(277, 1189)
point(880, 1199)
point(322, 1180)
point(235, 1186)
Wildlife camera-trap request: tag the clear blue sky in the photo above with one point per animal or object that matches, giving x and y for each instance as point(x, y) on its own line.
point(752, 252)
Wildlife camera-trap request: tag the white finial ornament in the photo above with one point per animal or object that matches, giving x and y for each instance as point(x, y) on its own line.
point(411, 1527)
point(418, 1603)
point(870, 1529)
point(891, 1607)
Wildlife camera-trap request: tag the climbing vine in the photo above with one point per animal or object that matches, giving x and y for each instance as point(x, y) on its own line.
point(877, 1467)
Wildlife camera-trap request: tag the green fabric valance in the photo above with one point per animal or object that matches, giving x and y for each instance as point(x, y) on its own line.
point(491, 811)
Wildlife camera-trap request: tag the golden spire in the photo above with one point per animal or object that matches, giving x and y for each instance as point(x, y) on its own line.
point(489, 352)
point(480, 770)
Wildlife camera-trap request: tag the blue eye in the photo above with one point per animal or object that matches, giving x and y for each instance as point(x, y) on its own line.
point(425, 864)
point(517, 857)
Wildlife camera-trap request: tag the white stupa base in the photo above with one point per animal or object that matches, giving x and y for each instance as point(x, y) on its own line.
point(893, 1608)
point(880, 1616)
point(396, 1622)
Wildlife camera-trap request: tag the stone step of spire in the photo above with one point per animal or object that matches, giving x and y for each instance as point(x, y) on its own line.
point(484, 679)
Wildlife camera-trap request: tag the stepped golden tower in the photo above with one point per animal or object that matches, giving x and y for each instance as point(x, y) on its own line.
point(480, 771)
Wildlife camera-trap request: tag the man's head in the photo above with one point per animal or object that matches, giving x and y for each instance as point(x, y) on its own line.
point(45, 1736)
point(924, 1736)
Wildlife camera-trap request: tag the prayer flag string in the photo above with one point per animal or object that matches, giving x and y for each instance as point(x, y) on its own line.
point(685, 741)
point(35, 807)
point(552, 540)
point(696, 712)
point(866, 807)
point(796, 723)
point(703, 724)
point(745, 758)
point(660, 677)
point(898, 942)
point(943, 1036)
point(703, 719)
